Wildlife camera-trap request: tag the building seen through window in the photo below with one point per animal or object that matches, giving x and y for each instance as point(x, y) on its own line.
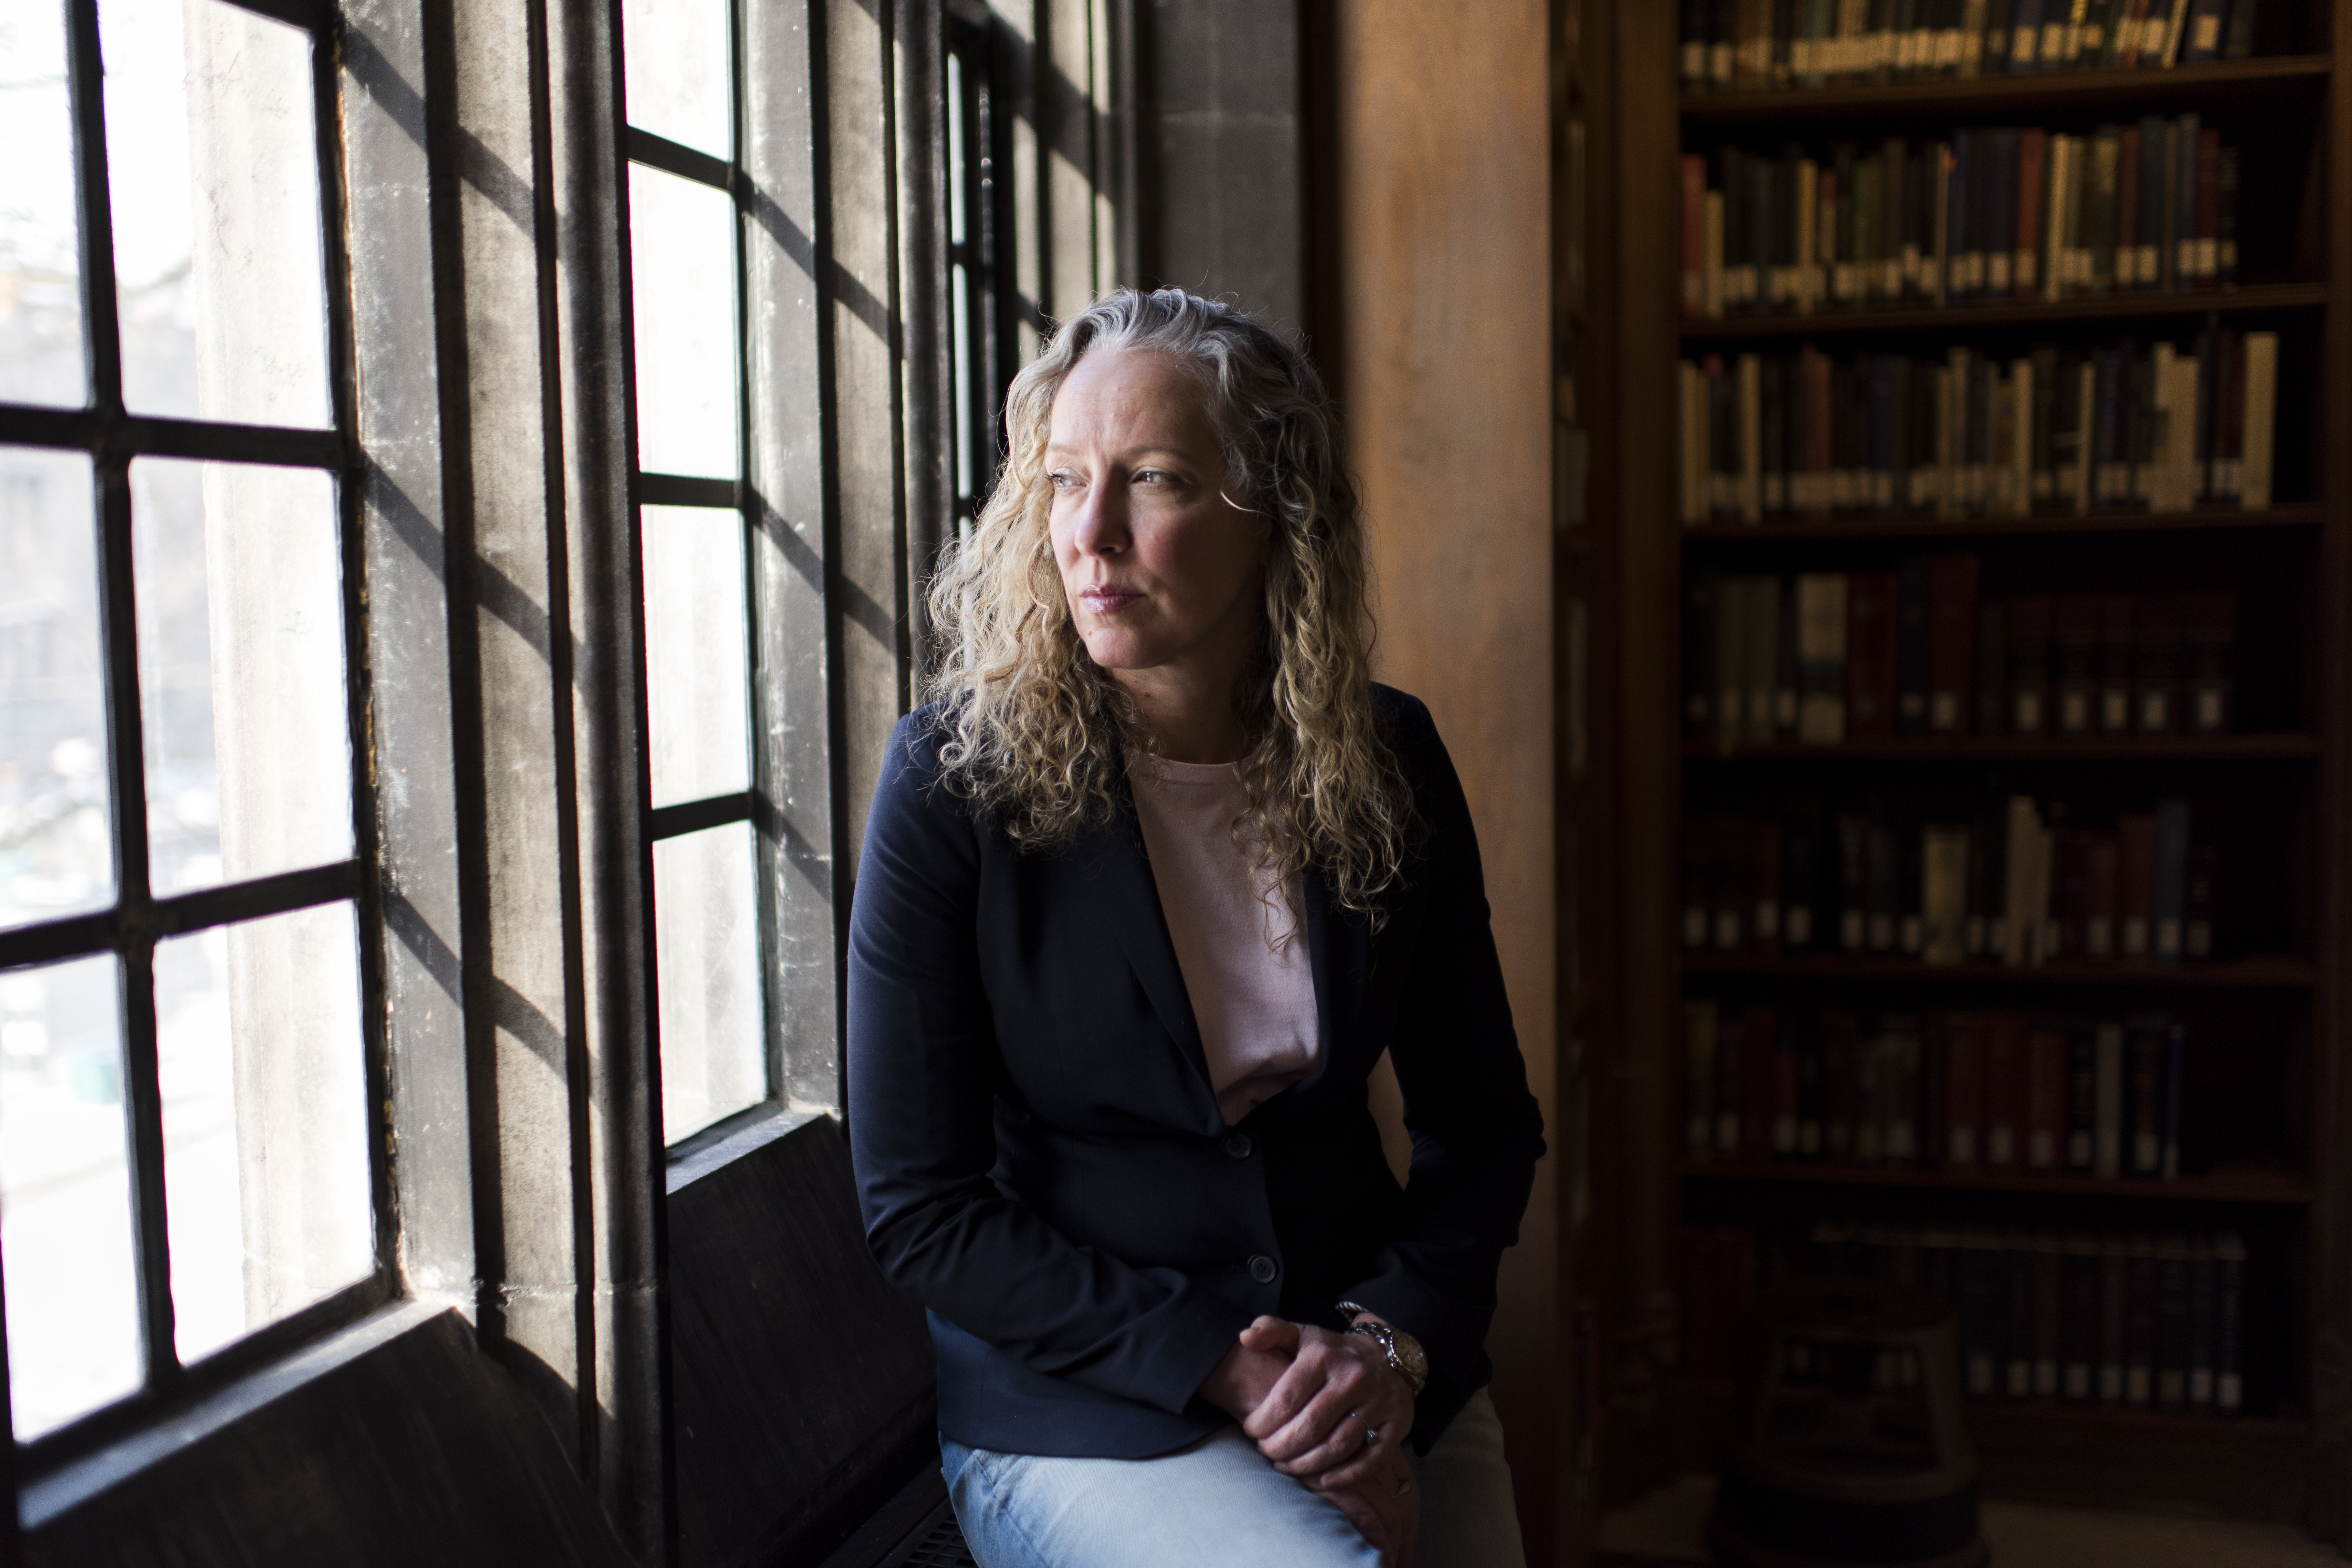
point(184, 1105)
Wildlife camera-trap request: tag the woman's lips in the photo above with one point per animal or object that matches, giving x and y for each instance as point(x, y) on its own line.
point(1107, 601)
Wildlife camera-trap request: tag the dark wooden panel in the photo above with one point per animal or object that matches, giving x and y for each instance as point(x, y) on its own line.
point(417, 1449)
point(801, 1381)
point(1445, 211)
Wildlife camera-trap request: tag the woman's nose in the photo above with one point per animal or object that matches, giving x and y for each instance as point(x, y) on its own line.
point(1101, 523)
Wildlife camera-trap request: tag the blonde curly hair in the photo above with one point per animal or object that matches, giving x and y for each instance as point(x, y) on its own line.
point(1036, 733)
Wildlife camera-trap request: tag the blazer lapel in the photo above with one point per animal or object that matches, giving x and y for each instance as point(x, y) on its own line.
point(1339, 946)
point(1121, 874)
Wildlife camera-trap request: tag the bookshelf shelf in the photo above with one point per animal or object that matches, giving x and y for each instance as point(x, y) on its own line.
point(2070, 93)
point(2051, 525)
point(2229, 1187)
point(2245, 973)
point(2136, 306)
point(2022, 749)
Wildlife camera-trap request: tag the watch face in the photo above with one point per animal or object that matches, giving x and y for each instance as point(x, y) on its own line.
point(1409, 1353)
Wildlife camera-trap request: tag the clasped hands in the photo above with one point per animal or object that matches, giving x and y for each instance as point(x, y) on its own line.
point(1328, 1409)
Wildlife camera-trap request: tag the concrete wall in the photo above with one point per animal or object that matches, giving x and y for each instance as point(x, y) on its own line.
point(1222, 146)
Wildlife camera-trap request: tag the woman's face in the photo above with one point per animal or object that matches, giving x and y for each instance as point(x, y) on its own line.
point(1161, 572)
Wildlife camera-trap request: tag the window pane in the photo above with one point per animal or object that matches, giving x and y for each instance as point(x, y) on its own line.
point(698, 661)
point(682, 247)
point(57, 849)
point(40, 256)
point(213, 164)
point(239, 581)
point(65, 1229)
point(675, 55)
point(264, 1120)
point(714, 1057)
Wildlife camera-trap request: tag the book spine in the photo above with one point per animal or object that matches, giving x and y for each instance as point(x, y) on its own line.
point(2228, 1306)
point(2171, 878)
point(2006, 1070)
point(2172, 1319)
point(1964, 1095)
point(2082, 1099)
point(2045, 1095)
point(1698, 1078)
point(2260, 399)
point(2108, 1102)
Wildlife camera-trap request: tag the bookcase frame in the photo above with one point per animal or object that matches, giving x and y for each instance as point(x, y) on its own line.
point(1618, 572)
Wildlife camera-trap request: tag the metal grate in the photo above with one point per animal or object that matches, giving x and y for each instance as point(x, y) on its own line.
point(937, 1542)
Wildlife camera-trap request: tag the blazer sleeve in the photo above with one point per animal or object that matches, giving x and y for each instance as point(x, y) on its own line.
point(1477, 1130)
point(921, 1098)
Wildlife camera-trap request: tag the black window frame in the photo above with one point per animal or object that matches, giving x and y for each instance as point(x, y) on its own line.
point(112, 437)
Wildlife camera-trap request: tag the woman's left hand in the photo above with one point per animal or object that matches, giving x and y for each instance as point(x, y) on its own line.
point(1336, 1414)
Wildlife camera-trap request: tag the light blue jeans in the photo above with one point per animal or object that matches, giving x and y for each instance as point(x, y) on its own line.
point(1220, 1502)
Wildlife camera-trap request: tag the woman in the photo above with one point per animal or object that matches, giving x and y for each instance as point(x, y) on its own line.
point(1147, 890)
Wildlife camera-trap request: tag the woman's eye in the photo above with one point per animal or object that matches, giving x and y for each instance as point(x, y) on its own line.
point(1062, 478)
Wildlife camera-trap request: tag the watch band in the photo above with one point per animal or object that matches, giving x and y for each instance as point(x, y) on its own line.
point(1413, 1364)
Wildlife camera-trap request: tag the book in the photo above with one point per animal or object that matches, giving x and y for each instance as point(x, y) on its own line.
point(2082, 1098)
point(2259, 407)
point(2108, 1102)
point(2008, 1070)
point(2229, 1300)
point(1964, 1092)
point(2135, 854)
point(2171, 879)
point(1911, 634)
point(1870, 655)
point(1699, 1018)
point(2046, 1094)
point(1821, 628)
point(1944, 899)
point(1951, 633)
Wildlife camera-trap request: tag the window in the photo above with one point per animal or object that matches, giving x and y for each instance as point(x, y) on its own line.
point(977, 305)
point(685, 186)
point(188, 1076)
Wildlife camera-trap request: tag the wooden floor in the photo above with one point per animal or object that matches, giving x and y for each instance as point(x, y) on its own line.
point(1668, 1527)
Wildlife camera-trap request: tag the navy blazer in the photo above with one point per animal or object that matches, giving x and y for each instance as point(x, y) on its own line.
point(1042, 1163)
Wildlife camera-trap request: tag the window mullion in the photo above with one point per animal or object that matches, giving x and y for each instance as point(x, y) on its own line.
point(135, 936)
point(101, 328)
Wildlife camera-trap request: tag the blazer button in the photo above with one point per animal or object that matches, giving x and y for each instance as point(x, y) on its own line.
point(1238, 1146)
point(1263, 1268)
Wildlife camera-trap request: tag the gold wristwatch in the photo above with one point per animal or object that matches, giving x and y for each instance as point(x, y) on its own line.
point(1406, 1358)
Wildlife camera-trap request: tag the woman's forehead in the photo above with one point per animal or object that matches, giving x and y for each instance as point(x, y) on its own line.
point(1126, 396)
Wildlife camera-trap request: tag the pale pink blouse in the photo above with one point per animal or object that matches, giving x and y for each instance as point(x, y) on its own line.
point(1255, 1006)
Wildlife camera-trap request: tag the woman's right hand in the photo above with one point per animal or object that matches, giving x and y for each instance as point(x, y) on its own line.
point(1385, 1509)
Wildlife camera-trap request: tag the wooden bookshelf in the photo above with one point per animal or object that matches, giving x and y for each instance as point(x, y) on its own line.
point(2284, 784)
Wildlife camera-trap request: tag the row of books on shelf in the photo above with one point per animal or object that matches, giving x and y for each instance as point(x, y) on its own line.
point(2153, 1321)
point(1992, 215)
point(2021, 884)
point(1751, 46)
point(1821, 658)
point(2161, 429)
point(1966, 1093)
